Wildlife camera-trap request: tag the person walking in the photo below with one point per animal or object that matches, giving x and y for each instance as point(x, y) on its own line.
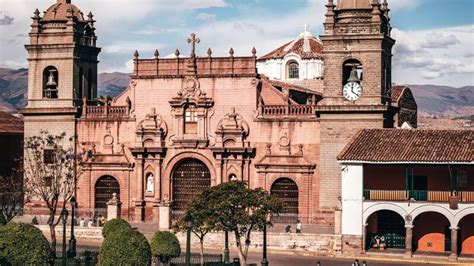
point(298, 227)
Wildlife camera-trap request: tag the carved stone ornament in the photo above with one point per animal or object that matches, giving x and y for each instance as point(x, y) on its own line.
point(191, 88)
point(153, 122)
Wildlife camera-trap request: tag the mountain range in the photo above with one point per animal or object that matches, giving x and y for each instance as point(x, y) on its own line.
point(433, 101)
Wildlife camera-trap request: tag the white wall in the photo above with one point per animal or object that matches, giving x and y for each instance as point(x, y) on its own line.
point(276, 68)
point(351, 198)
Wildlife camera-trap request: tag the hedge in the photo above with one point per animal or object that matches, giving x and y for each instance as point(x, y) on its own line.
point(115, 225)
point(125, 247)
point(165, 246)
point(22, 244)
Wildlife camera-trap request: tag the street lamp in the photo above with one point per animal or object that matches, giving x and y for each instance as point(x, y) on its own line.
point(64, 214)
point(189, 226)
point(72, 241)
point(264, 259)
point(226, 247)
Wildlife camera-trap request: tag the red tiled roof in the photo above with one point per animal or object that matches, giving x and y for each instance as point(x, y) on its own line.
point(397, 91)
point(314, 49)
point(407, 145)
point(293, 87)
point(10, 124)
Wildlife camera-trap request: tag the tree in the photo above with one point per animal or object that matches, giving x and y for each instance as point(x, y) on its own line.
point(115, 225)
point(11, 196)
point(50, 174)
point(240, 210)
point(125, 247)
point(202, 218)
point(165, 246)
point(23, 244)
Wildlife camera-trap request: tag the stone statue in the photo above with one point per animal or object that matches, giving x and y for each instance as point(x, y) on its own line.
point(149, 183)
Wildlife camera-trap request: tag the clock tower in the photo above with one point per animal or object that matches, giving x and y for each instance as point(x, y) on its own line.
point(357, 80)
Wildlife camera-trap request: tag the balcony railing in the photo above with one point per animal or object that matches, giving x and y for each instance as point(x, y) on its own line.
point(286, 110)
point(105, 111)
point(418, 195)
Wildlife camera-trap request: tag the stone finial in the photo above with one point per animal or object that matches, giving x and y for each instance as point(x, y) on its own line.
point(254, 52)
point(90, 17)
point(63, 1)
point(209, 52)
point(70, 13)
point(376, 11)
point(136, 54)
point(176, 53)
point(385, 8)
point(36, 14)
point(231, 52)
point(156, 54)
point(330, 12)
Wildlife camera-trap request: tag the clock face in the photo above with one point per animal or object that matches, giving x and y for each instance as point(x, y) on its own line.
point(352, 91)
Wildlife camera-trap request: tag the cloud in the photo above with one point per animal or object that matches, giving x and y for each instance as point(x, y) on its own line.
point(5, 19)
point(436, 55)
point(206, 16)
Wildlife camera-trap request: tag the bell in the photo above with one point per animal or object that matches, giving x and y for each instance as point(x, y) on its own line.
point(51, 82)
point(354, 77)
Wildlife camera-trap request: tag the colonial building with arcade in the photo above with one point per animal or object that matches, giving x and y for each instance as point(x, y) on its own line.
point(194, 121)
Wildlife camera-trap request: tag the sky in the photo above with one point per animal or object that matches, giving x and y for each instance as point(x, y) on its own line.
point(435, 38)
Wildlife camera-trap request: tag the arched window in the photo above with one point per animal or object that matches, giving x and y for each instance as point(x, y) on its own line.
point(50, 82)
point(90, 87)
point(80, 90)
point(190, 120)
point(348, 66)
point(293, 70)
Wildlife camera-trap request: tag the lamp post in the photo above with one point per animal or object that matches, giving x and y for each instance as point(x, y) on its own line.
point(189, 226)
point(64, 214)
point(226, 247)
point(264, 259)
point(72, 241)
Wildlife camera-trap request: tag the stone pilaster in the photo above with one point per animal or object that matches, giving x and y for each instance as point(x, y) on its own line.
point(454, 243)
point(165, 216)
point(409, 240)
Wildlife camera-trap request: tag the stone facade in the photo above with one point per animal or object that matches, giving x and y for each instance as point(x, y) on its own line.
point(210, 119)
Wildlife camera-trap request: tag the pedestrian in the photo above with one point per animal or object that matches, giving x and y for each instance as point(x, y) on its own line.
point(82, 223)
point(288, 229)
point(298, 227)
point(91, 223)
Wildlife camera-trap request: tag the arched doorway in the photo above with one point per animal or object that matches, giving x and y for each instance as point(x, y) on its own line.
point(287, 191)
point(431, 233)
point(189, 178)
point(385, 229)
point(466, 235)
point(104, 189)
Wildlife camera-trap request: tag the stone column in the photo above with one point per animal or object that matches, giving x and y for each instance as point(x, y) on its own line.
point(139, 196)
point(165, 217)
point(454, 243)
point(364, 238)
point(408, 240)
point(113, 208)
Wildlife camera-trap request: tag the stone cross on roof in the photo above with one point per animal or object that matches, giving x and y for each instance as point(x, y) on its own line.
point(305, 26)
point(193, 40)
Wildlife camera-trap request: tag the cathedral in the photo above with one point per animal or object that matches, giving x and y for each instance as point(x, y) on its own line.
point(192, 121)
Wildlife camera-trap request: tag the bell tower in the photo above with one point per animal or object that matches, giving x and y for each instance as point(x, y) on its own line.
point(357, 36)
point(357, 79)
point(62, 67)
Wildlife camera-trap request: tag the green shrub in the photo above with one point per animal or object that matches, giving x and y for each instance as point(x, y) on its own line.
point(22, 244)
point(165, 246)
point(3, 220)
point(115, 225)
point(125, 247)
